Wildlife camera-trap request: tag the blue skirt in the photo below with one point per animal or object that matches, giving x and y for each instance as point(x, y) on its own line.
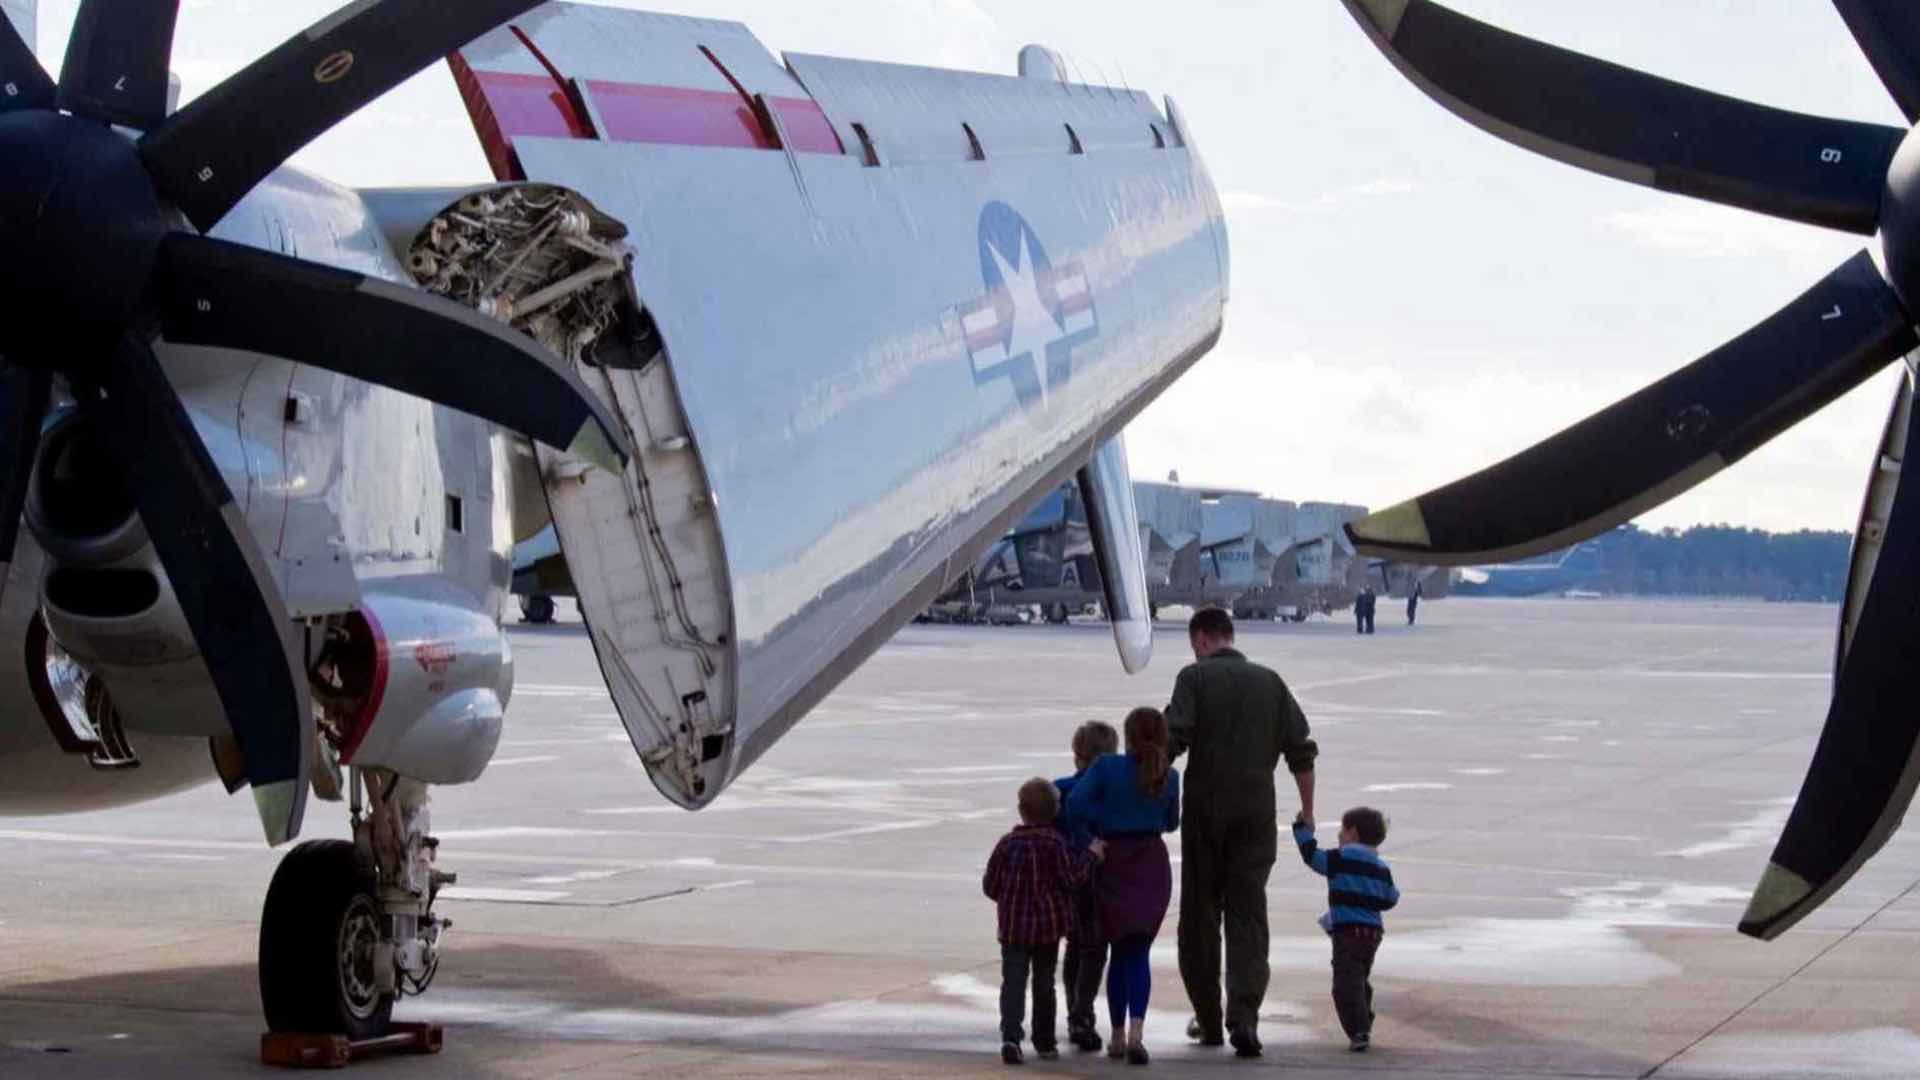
point(1133, 886)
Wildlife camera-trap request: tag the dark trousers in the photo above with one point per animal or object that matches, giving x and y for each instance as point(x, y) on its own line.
point(1223, 892)
point(1019, 966)
point(1353, 951)
point(1081, 966)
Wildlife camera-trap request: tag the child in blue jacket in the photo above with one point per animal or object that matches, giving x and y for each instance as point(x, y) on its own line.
point(1127, 801)
point(1359, 888)
point(1084, 960)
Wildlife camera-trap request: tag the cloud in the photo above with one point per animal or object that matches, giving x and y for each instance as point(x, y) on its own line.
point(1324, 203)
point(1701, 230)
point(1375, 430)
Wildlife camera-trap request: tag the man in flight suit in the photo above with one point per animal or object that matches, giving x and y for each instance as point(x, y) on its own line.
point(1238, 721)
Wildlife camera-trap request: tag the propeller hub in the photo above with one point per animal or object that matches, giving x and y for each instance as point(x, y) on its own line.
point(1900, 222)
point(80, 224)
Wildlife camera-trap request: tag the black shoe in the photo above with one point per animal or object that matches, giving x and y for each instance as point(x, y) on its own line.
point(1010, 1053)
point(1360, 1043)
point(1047, 1053)
point(1204, 1037)
point(1137, 1055)
point(1086, 1039)
point(1245, 1043)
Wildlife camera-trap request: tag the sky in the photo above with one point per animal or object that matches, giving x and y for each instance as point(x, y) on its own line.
point(1412, 298)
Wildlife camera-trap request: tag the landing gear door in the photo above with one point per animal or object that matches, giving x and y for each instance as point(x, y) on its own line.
point(644, 553)
point(1106, 487)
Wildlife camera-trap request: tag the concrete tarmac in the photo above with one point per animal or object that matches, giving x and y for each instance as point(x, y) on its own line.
point(1582, 793)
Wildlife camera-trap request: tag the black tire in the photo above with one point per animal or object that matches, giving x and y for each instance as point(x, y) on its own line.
point(537, 610)
point(320, 907)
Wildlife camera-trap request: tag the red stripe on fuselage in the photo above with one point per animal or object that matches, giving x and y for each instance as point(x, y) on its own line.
point(683, 116)
point(376, 689)
point(675, 114)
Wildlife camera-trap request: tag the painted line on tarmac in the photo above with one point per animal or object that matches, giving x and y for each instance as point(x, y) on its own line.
point(1351, 680)
point(534, 760)
point(502, 896)
point(861, 830)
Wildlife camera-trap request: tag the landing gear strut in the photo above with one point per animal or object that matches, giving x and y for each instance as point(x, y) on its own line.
point(348, 927)
point(537, 610)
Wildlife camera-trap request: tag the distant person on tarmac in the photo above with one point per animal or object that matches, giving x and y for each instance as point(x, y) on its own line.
point(1239, 721)
point(1413, 602)
point(1363, 608)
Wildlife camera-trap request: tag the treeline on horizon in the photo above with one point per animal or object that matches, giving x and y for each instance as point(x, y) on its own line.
point(1713, 560)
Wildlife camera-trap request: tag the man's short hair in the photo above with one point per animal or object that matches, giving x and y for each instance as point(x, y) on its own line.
point(1211, 622)
point(1094, 738)
point(1039, 802)
point(1368, 824)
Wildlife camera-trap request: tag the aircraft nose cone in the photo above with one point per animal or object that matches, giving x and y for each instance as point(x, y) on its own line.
point(1900, 222)
point(80, 227)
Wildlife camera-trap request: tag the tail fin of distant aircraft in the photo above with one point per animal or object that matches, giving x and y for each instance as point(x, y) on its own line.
point(874, 312)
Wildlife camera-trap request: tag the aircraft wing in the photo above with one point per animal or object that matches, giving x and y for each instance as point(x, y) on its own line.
point(894, 306)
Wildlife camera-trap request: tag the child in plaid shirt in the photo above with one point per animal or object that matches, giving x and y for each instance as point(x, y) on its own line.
point(1031, 877)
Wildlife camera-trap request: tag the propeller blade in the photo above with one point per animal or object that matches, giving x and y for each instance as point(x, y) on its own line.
point(1649, 447)
point(237, 297)
point(229, 597)
point(1889, 33)
point(116, 67)
point(1867, 762)
point(23, 404)
point(213, 151)
point(1636, 127)
point(23, 82)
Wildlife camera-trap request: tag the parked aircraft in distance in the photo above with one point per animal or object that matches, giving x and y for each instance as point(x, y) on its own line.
point(776, 345)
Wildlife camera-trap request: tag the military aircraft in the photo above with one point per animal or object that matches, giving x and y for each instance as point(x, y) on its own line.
point(1839, 174)
point(1262, 557)
point(777, 346)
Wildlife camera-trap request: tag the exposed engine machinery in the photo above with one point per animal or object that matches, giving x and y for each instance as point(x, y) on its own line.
point(548, 262)
point(537, 257)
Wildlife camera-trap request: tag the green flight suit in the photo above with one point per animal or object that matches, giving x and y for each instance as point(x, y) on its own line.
point(1237, 720)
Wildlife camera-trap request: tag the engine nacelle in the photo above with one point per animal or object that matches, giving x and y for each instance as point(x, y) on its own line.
point(424, 682)
point(107, 599)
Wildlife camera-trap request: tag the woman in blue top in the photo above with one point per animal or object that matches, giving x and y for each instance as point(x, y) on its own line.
point(1126, 801)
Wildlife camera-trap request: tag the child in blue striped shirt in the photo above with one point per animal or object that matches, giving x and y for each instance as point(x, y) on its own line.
point(1359, 888)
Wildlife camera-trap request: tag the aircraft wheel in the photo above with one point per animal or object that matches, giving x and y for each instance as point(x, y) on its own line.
point(319, 935)
point(537, 610)
point(1057, 614)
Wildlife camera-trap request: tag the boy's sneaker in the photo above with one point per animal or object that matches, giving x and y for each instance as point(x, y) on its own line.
point(1245, 1043)
point(1047, 1053)
point(1360, 1043)
point(1010, 1053)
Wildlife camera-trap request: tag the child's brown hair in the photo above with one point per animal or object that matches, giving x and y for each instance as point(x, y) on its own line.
point(1039, 802)
point(1147, 742)
point(1092, 739)
point(1368, 824)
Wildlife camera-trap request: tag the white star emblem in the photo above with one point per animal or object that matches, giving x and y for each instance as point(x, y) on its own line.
point(1033, 327)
